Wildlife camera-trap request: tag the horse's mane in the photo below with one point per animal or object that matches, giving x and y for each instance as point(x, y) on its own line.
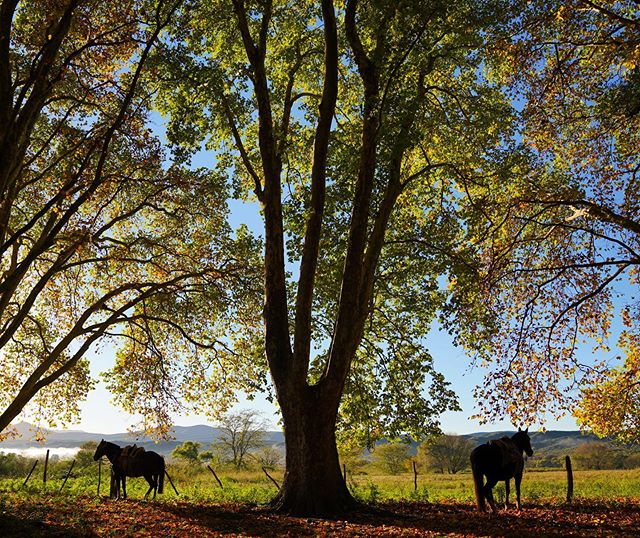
point(502, 441)
point(506, 445)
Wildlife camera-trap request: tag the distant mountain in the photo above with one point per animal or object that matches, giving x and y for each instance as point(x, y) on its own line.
point(72, 438)
point(549, 441)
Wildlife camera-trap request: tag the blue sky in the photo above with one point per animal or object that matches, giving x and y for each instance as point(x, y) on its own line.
point(449, 360)
point(100, 415)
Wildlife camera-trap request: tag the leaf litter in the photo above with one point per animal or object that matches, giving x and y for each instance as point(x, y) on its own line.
point(58, 516)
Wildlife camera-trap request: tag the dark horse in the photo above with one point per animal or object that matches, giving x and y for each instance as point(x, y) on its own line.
point(133, 461)
point(499, 459)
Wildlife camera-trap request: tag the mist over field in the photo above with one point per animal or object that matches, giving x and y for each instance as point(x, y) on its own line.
point(35, 452)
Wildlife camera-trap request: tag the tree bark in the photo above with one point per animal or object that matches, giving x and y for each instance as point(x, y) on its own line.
point(313, 484)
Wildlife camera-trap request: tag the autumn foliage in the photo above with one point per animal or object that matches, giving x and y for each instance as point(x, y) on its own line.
point(472, 163)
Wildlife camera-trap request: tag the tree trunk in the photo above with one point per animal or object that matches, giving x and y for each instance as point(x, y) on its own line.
point(313, 483)
point(13, 410)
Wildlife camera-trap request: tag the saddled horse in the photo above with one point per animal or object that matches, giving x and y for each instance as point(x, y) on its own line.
point(133, 461)
point(499, 459)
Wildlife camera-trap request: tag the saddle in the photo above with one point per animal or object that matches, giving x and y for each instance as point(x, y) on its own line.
point(132, 451)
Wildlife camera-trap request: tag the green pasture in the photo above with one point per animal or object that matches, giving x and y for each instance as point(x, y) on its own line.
point(549, 485)
point(253, 486)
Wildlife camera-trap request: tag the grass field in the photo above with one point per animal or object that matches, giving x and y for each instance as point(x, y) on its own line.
point(254, 487)
point(536, 485)
point(607, 503)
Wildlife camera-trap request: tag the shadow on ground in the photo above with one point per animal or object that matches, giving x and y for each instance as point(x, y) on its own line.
point(32, 527)
point(423, 519)
point(88, 516)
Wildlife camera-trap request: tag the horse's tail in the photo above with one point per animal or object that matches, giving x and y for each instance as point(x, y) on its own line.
point(478, 480)
point(161, 477)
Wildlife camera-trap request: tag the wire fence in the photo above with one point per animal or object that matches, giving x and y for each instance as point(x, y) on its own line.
point(79, 477)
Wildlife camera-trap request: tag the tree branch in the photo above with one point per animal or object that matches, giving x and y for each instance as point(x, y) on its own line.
point(309, 262)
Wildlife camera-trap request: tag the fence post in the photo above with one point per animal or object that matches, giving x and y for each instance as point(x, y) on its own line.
point(46, 464)
point(567, 462)
point(415, 476)
point(68, 473)
point(171, 482)
point(271, 478)
point(99, 474)
point(29, 475)
point(215, 476)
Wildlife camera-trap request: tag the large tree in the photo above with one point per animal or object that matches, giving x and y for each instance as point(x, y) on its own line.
point(352, 130)
point(99, 237)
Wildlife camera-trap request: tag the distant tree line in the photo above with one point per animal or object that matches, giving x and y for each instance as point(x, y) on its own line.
point(242, 445)
point(449, 454)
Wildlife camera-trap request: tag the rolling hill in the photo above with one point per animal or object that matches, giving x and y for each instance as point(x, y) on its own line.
point(73, 438)
point(549, 441)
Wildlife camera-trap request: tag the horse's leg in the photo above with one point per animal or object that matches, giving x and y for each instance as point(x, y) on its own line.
point(112, 485)
point(124, 486)
point(518, 480)
point(506, 493)
point(117, 486)
point(152, 485)
point(491, 482)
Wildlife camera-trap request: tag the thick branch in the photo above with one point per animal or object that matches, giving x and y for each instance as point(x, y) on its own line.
point(7, 10)
point(348, 322)
point(612, 14)
point(246, 160)
point(276, 315)
point(313, 231)
point(594, 210)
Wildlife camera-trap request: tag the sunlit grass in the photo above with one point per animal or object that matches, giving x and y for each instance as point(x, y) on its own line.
point(536, 485)
point(252, 486)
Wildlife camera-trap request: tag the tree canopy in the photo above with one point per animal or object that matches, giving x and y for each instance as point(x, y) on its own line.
point(356, 130)
point(100, 237)
point(557, 238)
point(431, 113)
point(473, 161)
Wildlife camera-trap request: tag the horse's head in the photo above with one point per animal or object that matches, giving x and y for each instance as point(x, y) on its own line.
point(100, 450)
point(523, 441)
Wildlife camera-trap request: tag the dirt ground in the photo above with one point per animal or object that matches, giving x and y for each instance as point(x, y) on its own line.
point(58, 516)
